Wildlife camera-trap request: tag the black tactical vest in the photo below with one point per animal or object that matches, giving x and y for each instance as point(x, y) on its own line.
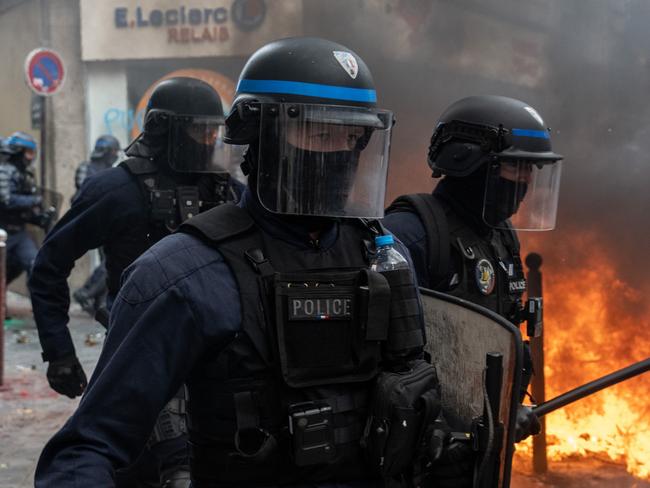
point(286, 401)
point(486, 270)
point(168, 205)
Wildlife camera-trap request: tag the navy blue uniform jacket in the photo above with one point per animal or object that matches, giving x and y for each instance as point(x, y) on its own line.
point(177, 300)
point(109, 210)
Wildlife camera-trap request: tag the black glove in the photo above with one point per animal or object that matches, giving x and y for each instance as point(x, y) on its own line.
point(66, 376)
point(452, 459)
point(527, 423)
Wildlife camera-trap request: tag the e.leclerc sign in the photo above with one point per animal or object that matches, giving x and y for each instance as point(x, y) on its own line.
point(187, 24)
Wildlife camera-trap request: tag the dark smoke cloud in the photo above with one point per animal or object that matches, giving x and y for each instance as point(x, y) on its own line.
point(583, 65)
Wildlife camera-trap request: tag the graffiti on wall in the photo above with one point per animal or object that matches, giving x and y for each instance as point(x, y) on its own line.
point(119, 120)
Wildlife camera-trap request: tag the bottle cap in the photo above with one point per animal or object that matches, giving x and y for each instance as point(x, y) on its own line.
point(385, 240)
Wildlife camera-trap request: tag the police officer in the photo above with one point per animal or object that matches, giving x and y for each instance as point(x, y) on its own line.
point(103, 156)
point(20, 203)
point(500, 175)
point(173, 173)
point(92, 294)
point(245, 305)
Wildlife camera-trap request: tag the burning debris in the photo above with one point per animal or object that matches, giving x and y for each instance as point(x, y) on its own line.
point(595, 322)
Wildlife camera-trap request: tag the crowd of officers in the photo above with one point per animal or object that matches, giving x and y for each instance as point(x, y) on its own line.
point(209, 376)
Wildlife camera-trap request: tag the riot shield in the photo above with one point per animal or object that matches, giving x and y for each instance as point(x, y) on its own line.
point(479, 358)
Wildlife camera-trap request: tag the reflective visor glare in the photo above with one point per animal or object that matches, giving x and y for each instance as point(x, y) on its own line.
point(527, 189)
point(196, 145)
point(323, 160)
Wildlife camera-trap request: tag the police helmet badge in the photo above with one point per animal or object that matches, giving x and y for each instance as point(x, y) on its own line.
point(485, 276)
point(348, 62)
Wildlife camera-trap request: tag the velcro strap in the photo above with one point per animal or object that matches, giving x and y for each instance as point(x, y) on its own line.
point(405, 339)
point(404, 308)
point(260, 264)
point(399, 277)
point(404, 291)
point(378, 302)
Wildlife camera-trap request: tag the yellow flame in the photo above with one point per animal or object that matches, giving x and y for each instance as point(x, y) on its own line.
point(594, 324)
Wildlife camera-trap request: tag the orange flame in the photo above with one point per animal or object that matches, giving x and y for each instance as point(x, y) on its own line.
point(595, 323)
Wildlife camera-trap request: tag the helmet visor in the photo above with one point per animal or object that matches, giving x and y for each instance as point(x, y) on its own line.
point(524, 193)
point(323, 160)
point(196, 145)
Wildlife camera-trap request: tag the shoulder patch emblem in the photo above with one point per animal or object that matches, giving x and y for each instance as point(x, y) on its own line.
point(485, 276)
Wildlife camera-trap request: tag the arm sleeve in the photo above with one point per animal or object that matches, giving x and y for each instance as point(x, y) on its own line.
point(173, 306)
point(9, 195)
point(95, 215)
point(148, 353)
point(18, 201)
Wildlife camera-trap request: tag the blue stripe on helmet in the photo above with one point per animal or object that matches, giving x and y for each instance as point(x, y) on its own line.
point(19, 141)
point(307, 90)
point(540, 134)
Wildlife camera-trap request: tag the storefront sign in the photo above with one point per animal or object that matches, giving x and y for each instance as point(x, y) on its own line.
point(116, 29)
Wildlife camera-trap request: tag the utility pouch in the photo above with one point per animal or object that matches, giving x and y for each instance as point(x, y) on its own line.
point(330, 326)
point(163, 207)
point(312, 431)
point(404, 403)
point(405, 331)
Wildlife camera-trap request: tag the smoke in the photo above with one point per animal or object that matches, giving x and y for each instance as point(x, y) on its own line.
point(584, 69)
point(584, 66)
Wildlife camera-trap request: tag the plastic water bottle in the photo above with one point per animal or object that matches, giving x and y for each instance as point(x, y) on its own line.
point(387, 258)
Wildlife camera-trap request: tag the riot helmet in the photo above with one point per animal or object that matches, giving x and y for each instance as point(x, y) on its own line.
point(184, 118)
point(504, 143)
point(106, 149)
point(21, 148)
point(318, 144)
